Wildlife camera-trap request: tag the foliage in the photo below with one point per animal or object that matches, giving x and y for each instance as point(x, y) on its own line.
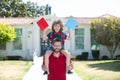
point(118, 57)
point(12, 8)
point(78, 57)
point(95, 54)
point(106, 32)
point(17, 8)
point(7, 33)
point(105, 57)
point(33, 9)
point(83, 56)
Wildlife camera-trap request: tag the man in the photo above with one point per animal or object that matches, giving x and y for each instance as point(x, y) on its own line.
point(57, 62)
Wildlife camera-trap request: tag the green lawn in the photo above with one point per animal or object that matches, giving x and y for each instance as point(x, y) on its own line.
point(87, 70)
point(13, 70)
point(98, 70)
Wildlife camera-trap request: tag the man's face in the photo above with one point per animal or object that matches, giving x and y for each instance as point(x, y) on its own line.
point(57, 46)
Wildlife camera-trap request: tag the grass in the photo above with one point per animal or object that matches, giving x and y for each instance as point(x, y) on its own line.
point(98, 70)
point(87, 70)
point(13, 70)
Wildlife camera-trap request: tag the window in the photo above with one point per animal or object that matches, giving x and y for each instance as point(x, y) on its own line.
point(2, 46)
point(119, 46)
point(17, 43)
point(79, 38)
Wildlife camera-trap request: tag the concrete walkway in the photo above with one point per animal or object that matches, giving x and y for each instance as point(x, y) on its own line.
point(36, 73)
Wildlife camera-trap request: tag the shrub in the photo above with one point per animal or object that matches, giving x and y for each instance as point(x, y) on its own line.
point(95, 54)
point(84, 55)
point(13, 58)
point(105, 57)
point(79, 57)
point(118, 57)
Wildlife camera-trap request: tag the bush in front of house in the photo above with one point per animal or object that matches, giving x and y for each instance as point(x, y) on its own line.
point(95, 54)
point(13, 58)
point(83, 56)
point(118, 57)
point(105, 57)
point(79, 57)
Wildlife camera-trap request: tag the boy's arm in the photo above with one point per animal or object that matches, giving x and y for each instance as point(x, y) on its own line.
point(44, 35)
point(43, 64)
point(69, 34)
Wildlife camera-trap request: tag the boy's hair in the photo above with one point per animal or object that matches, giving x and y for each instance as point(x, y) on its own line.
point(56, 40)
point(57, 22)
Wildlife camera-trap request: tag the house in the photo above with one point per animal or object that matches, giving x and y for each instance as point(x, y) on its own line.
point(29, 37)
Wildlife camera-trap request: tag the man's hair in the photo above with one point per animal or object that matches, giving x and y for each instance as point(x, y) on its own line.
point(56, 40)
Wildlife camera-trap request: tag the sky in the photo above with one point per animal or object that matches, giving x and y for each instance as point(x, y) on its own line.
point(81, 8)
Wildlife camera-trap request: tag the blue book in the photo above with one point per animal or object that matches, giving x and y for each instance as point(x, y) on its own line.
point(71, 23)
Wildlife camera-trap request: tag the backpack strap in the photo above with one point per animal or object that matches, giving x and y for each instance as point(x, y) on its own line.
point(51, 36)
point(62, 37)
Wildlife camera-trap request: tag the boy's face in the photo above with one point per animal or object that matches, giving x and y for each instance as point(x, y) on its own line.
point(57, 27)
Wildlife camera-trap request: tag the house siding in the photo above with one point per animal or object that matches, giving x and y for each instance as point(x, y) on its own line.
point(32, 34)
point(104, 52)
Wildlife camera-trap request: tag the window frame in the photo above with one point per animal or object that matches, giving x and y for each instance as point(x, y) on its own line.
point(81, 35)
point(21, 40)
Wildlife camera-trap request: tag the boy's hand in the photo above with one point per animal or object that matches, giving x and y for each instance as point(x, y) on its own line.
point(68, 29)
point(69, 34)
point(45, 37)
point(44, 68)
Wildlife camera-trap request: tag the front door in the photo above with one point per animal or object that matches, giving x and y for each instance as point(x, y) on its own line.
point(44, 45)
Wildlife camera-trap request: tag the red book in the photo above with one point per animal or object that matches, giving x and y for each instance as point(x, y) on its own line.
point(42, 23)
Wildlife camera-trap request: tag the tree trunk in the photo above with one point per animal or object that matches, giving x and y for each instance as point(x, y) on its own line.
point(111, 55)
point(112, 51)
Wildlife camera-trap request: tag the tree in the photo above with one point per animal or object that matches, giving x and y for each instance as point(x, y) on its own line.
point(7, 33)
point(17, 8)
point(107, 32)
point(12, 8)
point(34, 10)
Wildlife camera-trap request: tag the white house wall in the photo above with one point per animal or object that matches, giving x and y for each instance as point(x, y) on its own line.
point(32, 34)
point(87, 42)
point(27, 43)
point(36, 38)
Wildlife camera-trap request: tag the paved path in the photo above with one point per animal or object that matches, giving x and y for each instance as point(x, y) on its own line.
point(36, 73)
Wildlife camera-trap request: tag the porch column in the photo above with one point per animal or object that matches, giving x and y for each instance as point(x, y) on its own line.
point(36, 38)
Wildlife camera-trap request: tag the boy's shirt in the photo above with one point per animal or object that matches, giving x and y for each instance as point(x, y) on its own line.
point(59, 35)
